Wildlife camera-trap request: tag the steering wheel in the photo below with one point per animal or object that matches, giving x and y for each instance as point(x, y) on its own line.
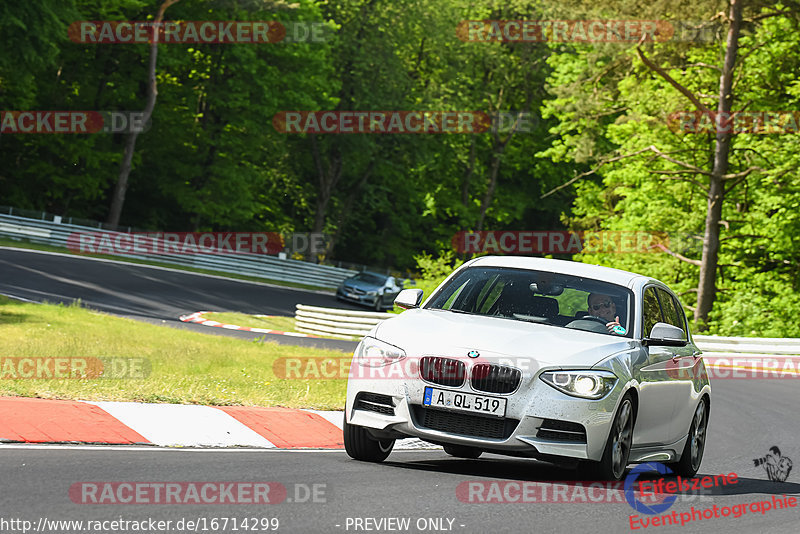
point(594, 318)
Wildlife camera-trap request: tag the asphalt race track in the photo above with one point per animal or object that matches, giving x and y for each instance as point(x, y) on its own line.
point(153, 294)
point(747, 418)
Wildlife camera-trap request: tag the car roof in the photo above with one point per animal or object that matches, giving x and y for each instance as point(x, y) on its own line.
point(586, 270)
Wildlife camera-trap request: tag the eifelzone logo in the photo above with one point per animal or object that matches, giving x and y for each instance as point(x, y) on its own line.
point(662, 486)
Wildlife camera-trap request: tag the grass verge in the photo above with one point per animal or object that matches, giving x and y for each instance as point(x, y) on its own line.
point(185, 367)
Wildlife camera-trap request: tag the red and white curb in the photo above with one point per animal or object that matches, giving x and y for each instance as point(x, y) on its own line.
point(30, 420)
point(198, 318)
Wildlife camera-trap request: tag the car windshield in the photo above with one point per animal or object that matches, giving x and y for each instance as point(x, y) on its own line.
point(369, 278)
point(553, 299)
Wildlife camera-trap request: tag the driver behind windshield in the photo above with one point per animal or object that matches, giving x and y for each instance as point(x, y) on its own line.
point(603, 306)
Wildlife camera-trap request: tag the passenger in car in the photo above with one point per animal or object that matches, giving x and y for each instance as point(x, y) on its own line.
point(603, 306)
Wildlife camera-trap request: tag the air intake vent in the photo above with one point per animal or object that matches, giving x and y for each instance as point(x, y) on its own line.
point(442, 371)
point(375, 402)
point(562, 431)
point(495, 378)
point(464, 424)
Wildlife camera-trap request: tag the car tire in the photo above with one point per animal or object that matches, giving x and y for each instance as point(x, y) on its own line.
point(618, 446)
point(692, 455)
point(459, 451)
point(378, 303)
point(361, 446)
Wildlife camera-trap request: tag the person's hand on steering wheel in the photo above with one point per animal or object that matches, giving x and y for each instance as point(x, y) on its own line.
point(612, 324)
point(609, 325)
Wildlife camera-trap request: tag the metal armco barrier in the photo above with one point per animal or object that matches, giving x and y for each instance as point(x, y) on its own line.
point(257, 265)
point(355, 324)
point(719, 346)
point(347, 324)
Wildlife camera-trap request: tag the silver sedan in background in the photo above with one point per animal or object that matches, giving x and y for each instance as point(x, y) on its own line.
point(377, 291)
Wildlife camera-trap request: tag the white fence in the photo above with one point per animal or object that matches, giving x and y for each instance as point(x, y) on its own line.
point(719, 347)
point(350, 324)
point(346, 324)
point(55, 234)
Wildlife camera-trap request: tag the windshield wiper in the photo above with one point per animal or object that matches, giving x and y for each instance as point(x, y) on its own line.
point(455, 311)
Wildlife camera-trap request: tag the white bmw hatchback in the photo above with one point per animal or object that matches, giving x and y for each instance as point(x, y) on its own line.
point(539, 358)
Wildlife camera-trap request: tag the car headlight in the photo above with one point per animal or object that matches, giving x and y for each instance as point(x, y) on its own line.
point(372, 293)
point(373, 352)
point(584, 384)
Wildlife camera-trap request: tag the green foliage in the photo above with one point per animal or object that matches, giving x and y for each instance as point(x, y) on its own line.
point(212, 159)
point(617, 106)
point(433, 271)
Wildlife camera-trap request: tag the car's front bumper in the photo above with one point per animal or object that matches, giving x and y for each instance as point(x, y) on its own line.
point(365, 299)
point(539, 420)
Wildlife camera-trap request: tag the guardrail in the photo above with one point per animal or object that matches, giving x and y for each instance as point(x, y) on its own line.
point(345, 324)
point(55, 233)
point(355, 324)
point(721, 346)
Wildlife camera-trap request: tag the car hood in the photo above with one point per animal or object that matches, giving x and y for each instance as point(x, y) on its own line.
point(441, 333)
point(361, 285)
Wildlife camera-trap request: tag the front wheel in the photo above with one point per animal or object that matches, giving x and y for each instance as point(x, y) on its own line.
point(360, 445)
point(692, 454)
point(618, 447)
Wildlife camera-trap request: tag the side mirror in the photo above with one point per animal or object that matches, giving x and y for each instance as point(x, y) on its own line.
point(408, 298)
point(666, 335)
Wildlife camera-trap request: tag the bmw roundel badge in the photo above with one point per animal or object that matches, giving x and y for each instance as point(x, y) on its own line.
point(473, 354)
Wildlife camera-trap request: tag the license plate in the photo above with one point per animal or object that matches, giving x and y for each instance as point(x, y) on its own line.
point(464, 402)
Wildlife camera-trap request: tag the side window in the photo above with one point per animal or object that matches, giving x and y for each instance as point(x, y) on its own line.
point(571, 301)
point(671, 313)
point(652, 311)
point(681, 315)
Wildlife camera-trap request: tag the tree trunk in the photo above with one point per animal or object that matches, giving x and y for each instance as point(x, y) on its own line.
point(706, 289)
point(118, 198)
point(465, 182)
point(326, 181)
point(347, 210)
point(489, 196)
